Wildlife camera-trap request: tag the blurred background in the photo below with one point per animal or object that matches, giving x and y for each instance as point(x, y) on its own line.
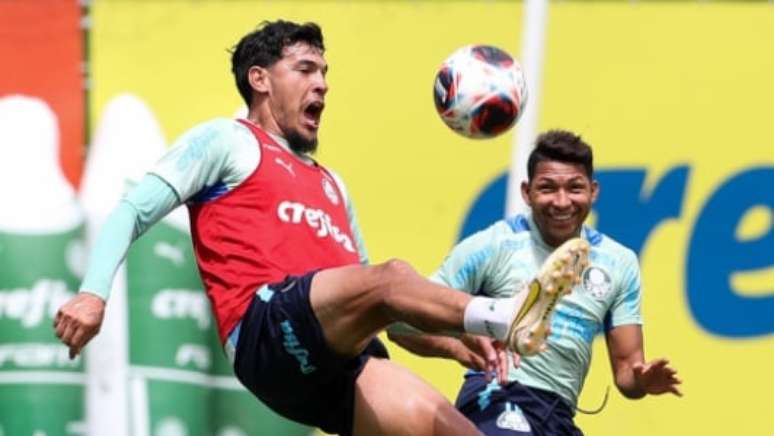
point(675, 97)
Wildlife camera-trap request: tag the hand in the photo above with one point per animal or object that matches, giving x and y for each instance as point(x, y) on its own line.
point(488, 355)
point(79, 320)
point(656, 377)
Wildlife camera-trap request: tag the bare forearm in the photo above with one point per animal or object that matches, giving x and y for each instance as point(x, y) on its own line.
point(427, 346)
point(474, 352)
point(627, 384)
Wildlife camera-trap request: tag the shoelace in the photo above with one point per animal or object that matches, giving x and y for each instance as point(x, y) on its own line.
point(599, 409)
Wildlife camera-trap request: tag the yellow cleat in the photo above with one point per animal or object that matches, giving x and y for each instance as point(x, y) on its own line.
point(558, 275)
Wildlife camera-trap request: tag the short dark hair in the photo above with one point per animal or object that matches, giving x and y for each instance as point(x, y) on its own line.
point(263, 47)
point(562, 146)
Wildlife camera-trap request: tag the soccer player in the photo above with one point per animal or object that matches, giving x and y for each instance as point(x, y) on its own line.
point(280, 255)
point(541, 396)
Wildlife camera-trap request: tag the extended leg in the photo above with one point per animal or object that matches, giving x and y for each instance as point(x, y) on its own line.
point(354, 303)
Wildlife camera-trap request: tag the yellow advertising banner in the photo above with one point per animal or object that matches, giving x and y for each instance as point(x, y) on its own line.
point(678, 92)
point(672, 96)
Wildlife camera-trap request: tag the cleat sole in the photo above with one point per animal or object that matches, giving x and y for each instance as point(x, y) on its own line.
point(559, 274)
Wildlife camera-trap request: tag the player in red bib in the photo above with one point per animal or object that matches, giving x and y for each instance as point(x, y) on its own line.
point(283, 263)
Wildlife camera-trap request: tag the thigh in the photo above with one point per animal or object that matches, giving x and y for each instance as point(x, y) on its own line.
point(347, 302)
point(282, 358)
point(390, 400)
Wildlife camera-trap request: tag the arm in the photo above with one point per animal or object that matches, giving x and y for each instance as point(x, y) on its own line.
point(623, 331)
point(444, 347)
point(634, 377)
point(142, 207)
point(201, 158)
point(79, 320)
point(474, 352)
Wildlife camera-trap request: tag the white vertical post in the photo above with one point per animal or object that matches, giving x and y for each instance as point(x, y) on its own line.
point(127, 141)
point(534, 26)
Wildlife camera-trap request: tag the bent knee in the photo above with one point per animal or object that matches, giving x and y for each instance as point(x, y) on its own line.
point(396, 270)
point(396, 266)
point(392, 276)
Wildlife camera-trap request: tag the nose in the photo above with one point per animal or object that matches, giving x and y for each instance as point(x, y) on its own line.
point(320, 84)
point(562, 199)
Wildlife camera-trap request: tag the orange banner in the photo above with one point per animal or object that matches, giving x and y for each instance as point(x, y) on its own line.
point(41, 47)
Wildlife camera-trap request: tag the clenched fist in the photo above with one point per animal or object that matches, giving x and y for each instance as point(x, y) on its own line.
point(79, 320)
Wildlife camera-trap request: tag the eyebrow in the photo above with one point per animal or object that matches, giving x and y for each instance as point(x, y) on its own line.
point(548, 179)
point(309, 63)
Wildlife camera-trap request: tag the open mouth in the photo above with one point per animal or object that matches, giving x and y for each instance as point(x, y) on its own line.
point(561, 217)
point(564, 219)
point(312, 114)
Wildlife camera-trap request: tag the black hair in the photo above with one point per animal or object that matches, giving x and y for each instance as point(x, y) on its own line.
point(263, 47)
point(562, 146)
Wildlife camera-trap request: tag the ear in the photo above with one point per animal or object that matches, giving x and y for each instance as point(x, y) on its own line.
point(594, 190)
point(259, 79)
point(525, 193)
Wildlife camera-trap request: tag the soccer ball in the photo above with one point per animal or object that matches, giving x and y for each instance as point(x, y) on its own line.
point(480, 91)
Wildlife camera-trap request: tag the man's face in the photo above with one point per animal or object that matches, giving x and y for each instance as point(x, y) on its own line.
point(297, 90)
point(560, 195)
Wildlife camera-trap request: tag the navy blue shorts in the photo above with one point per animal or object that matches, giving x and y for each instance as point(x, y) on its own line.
point(514, 409)
point(283, 359)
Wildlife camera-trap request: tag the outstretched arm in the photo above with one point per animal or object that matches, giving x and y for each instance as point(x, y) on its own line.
point(79, 320)
point(216, 154)
point(634, 377)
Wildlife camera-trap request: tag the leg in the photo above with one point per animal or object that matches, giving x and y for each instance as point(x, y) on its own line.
point(410, 407)
point(284, 359)
point(354, 303)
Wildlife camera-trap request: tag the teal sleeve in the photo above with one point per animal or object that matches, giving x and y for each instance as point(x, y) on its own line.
point(626, 307)
point(467, 266)
point(141, 207)
point(352, 218)
point(202, 156)
point(357, 234)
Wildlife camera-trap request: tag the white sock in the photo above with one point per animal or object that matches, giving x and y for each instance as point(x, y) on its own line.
point(491, 316)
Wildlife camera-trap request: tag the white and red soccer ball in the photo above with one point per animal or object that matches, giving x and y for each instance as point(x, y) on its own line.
point(480, 91)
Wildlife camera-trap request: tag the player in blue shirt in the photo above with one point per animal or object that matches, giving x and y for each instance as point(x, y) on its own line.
point(538, 396)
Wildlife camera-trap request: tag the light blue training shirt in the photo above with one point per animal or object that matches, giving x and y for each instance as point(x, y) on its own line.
point(500, 260)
